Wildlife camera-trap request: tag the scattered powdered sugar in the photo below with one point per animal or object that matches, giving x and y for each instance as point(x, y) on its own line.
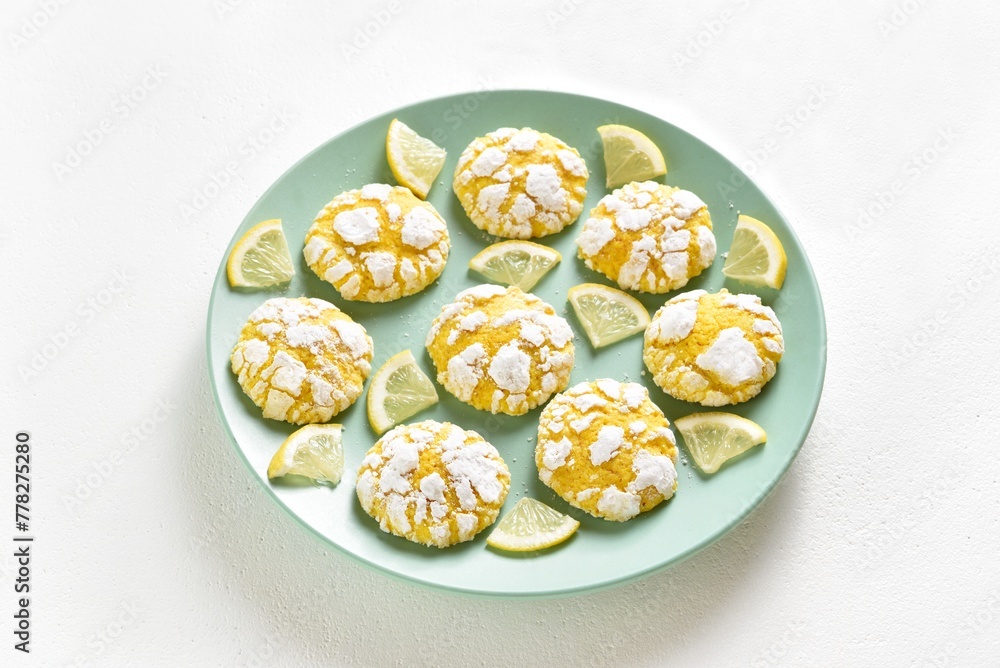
point(464, 372)
point(634, 394)
point(357, 226)
point(376, 191)
point(612, 388)
point(524, 140)
point(732, 358)
point(654, 471)
point(580, 424)
point(686, 203)
point(618, 505)
point(597, 232)
point(307, 336)
point(473, 321)
point(488, 161)
point(471, 463)
point(338, 271)
point(314, 249)
point(555, 452)
point(674, 321)
point(354, 337)
point(381, 266)
point(421, 228)
point(587, 402)
point(765, 327)
point(609, 440)
point(634, 219)
point(572, 162)
point(706, 245)
point(511, 368)
point(491, 198)
point(393, 211)
point(545, 186)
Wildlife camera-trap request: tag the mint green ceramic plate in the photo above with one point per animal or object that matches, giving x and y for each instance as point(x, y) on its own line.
point(601, 553)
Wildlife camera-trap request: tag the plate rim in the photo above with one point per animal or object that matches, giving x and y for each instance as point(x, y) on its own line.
point(540, 593)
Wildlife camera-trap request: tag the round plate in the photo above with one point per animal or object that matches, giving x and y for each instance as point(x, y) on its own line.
point(601, 553)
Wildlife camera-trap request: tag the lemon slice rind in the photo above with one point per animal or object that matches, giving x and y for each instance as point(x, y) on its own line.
point(260, 258)
point(756, 256)
point(716, 437)
point(601, 309)
point(314, 451)
point(398, 391)
point(415, 161)
point(530, 526)
point(629, 155)
point(515, 262)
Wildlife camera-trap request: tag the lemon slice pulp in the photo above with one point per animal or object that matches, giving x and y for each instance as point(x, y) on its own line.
point(607, 315)
point(260, 258)
point(531, 525)
point(520, 263)
point(756, 256)
point(314, 451)
point(415, 161)
point(715, 438)
point(398, 391)
point(629, 155)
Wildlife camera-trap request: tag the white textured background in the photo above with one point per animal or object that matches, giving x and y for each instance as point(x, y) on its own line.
point(880, 547)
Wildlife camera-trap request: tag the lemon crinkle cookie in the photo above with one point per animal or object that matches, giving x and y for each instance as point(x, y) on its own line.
point(377, 244)
point(606, 448)
point(500, 349)
point(713, 349)
point(433, 483)
point(301, 360)
point(648, 237)
point(521, 183)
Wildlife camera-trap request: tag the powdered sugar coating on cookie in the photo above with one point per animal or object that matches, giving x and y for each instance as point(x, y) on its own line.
point(301, 360)
point(713, 349)
point(521, 183)
point(648, 237)
point(500, 349)
point(606, 448)
point(433, 483)
point(377, 244)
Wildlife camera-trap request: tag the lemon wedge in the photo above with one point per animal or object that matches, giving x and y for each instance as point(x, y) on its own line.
point(398, 391)
point(715, 438)
point(260, 258)
point(415, 161)
point(531, 525)
point(519, 263)
point(314, 451)
point(607, 315)
point(756, 256)
point(629, 155)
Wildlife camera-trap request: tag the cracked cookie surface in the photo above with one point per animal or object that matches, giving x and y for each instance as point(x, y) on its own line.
point(648, 237)
point(501, 350)
point(521, 183)
point(377, 243)
point(713, 349)
point(301, 360)
point(433, 483)
point(606, 448)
